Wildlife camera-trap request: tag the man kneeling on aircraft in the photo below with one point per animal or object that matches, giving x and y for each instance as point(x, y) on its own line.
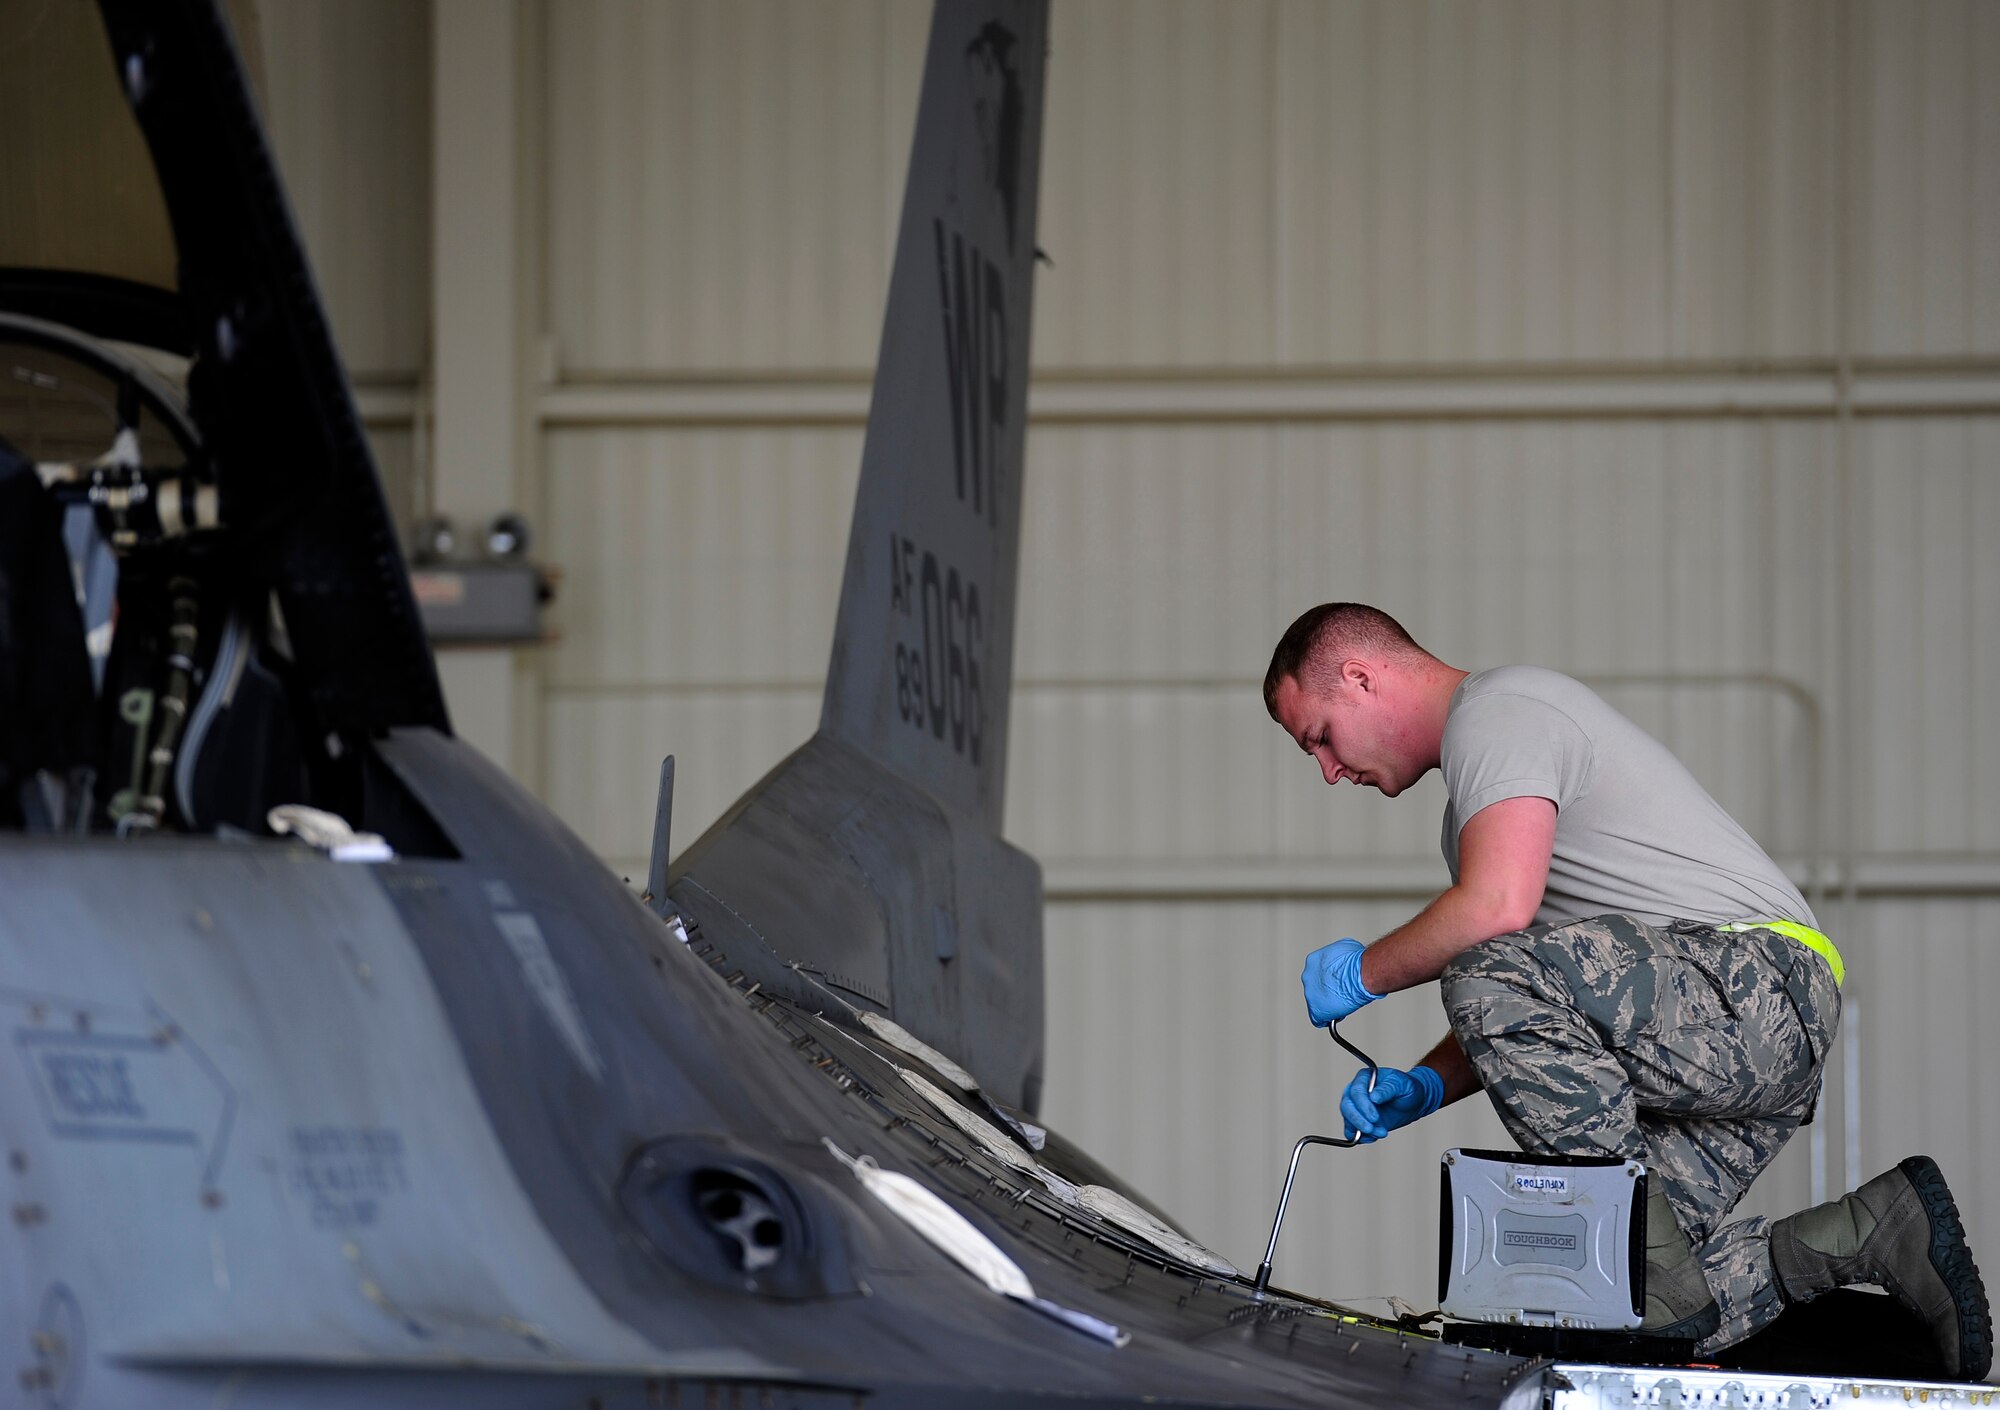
point(1626, 973)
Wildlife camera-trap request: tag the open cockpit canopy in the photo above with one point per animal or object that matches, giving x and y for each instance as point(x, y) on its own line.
point(204, 610)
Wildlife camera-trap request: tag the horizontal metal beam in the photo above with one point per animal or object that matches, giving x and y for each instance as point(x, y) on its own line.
point(1219, 397)
point(1246, 686)
point(1240, 881)
point(386, 405)
point(670, 402)
point(1416, 879)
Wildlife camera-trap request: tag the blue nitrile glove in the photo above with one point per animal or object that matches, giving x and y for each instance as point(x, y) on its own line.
point(1332, 978)
point(1398, 1099)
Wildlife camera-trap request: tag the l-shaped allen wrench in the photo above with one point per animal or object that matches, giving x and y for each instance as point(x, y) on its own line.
point(1263, 1283)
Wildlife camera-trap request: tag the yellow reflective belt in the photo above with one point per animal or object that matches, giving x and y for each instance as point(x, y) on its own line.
point(1805, 935)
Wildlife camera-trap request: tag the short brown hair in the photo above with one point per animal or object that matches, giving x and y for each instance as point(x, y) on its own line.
point(1313, 645)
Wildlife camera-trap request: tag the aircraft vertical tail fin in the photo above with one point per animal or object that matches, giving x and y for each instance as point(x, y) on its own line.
point(923, 647)
point(869, 866)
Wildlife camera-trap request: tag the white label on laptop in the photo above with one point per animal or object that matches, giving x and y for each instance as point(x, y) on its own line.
point(1540, 1182)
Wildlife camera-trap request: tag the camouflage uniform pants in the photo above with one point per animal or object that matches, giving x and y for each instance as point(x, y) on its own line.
point(1695, 1051)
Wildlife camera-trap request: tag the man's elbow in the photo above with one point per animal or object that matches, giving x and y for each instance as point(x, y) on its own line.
point(1504, 912)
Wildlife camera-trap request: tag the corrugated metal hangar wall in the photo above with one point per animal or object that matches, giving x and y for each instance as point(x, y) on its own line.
point(1657, 342)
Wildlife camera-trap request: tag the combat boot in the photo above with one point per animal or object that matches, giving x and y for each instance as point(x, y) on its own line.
point(1678, 1302)
point(1902, 1232)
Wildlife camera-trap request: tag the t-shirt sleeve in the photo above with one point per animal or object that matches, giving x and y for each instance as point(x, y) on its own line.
point(1512, 746)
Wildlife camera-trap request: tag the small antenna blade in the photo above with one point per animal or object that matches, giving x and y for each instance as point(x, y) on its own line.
point(663, 816)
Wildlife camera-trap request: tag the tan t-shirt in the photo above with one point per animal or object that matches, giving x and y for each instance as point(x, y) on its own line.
point(1634, 831)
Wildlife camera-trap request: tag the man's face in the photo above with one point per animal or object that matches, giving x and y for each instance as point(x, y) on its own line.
point(1349, 729)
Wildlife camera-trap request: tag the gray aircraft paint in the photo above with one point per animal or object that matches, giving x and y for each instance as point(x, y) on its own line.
point(524, 936)
point(273, 1057)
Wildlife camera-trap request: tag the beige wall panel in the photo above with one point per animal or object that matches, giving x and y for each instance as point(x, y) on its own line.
point(604, 761)
point(1437, 205)
point(696, 557)
point(1276, 184)
point(724, 180)
point(1245, 184)
point(1157, 185)
point(349, 116)
point(1311, 183)
point(1928, 588)
point(1601, 546)
point(1926, 158)
point(1752, 195)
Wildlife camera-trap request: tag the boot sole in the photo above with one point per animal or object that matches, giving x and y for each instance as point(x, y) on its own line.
point(1694, 1327)
point(1951, 1256)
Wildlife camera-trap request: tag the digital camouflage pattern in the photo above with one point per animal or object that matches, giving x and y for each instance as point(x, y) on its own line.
point(1696, 1051)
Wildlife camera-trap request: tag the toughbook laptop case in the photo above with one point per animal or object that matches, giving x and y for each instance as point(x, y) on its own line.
point(1542, 1241)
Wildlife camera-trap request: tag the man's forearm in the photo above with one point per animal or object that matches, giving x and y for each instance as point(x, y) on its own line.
point(1417, 951)
point(1448, 1060)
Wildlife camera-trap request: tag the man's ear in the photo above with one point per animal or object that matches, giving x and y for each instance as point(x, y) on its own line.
point(1360, 675)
